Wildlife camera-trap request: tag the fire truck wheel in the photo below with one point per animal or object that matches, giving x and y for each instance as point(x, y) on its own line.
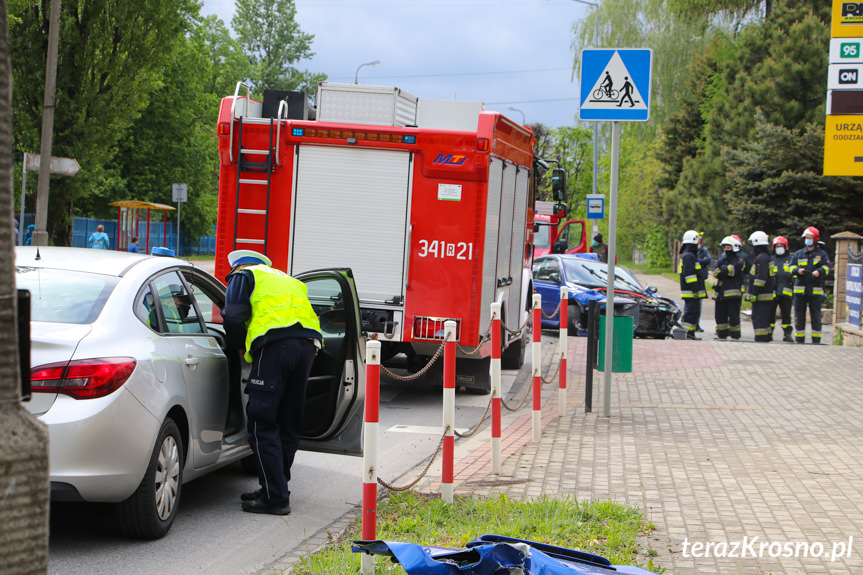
point(513, 356)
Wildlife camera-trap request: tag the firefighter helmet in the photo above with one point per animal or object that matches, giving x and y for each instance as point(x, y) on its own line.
point(759, 238)
point(727, 241)
point(811, 231)
point(736, 244)
point(690, 237)
point(780, 240)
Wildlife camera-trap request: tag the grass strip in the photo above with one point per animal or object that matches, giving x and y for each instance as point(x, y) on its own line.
point(601, 527)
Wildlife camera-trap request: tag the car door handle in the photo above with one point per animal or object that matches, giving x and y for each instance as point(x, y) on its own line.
point(192, 362)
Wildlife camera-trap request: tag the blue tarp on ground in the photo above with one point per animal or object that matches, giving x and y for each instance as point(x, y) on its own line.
point(494, 555)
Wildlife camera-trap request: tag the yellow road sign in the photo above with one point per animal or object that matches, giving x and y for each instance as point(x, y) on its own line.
point(847, 19)
point(843, 146)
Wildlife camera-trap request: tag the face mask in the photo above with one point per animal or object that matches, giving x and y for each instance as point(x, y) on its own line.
point(780, 250)
point(809, 242)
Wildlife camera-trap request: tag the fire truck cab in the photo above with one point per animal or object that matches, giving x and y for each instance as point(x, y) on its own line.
point(429, 203)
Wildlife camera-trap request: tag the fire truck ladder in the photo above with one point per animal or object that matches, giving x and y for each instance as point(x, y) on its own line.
point(248, 179)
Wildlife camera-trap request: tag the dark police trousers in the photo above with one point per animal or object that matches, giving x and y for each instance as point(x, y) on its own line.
point(813, 302)
point(277, 392)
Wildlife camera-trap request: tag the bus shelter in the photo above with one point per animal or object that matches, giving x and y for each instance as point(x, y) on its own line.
point(129, 218)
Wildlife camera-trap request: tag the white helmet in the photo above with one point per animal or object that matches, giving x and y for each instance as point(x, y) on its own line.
point(735, 244)
point(759, 239)
point(690, 237)
point(727, 241)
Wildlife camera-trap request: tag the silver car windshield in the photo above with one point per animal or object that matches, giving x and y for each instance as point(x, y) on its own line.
point(63, 296)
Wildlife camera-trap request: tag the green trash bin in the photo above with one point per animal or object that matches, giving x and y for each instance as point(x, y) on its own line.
point(621, 359)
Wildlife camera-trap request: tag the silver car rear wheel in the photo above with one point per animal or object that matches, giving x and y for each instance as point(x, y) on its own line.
point(150, 511)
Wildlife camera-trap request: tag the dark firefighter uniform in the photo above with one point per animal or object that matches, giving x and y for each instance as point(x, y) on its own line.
point(784, 293)
point(762, 284)
point(270, 312)
point(808, 290)
point(691, 289)
point(729, 293)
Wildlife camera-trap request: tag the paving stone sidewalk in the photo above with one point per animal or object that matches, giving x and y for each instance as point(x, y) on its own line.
point(717, 442)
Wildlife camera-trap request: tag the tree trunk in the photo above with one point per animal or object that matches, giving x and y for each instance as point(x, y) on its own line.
point(24, 483)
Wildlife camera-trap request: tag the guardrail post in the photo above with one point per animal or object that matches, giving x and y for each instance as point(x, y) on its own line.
point(370, 450)
point(536, 415)
point(495, 387)
point(564, 332)
point(446, 486)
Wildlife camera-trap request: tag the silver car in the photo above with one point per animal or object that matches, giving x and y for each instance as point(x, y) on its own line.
point(131, 374)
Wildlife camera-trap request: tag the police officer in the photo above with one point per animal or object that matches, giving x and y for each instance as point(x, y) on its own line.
point(729, 292)
point(809, 266)
point(270, 313)
point(762, 284)
point(784, 287)
point(691, 283)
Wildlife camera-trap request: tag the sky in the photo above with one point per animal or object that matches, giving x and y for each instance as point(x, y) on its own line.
point(504, 53)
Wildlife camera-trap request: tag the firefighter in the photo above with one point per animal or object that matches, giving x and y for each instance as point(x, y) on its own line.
point(729, 289)
point(762, 284)
point(784, 288)
point(809, 266)
point(270, 312)
point(704, 259)
point(691, 283)
point(741, 253)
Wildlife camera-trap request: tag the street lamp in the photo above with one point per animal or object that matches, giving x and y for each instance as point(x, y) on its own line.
point(523, 122)
point(357, 74)
point(595, 45)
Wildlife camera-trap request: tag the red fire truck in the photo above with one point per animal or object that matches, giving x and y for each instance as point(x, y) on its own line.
point(551, 237)
point(429, 203)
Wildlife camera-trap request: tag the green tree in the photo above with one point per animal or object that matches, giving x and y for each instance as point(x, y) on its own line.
point(775, 184)
point(174, 139)
point(571, 149)
point(775, 67)
point(111, 59)
point(273, 41)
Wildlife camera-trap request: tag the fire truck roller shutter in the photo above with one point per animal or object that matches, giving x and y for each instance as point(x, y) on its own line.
point(492, 227)
point(350, 207)
point(516, 296)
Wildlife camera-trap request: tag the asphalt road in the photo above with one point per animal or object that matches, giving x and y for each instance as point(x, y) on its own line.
point(212, 535)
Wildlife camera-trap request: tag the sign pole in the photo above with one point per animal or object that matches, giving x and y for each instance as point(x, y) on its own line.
point(23, 198)
point(178, 228)
point(612, 254)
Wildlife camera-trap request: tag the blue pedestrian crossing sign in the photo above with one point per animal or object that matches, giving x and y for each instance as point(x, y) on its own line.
point(615, 85)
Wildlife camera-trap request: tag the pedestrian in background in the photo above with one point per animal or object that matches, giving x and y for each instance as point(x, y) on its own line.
point(729, 290)
point(809, 266)
point(704, 260)
point(133, 245)
point(692, 288)
point(784, 288)
point(762, 284)
point(267, 313)
point(99, 239)
point(599, 248)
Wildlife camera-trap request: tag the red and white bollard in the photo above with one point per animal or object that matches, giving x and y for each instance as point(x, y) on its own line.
point(536, 415)
point(370, 450)
point(564, 332)
point(495, 387)
point(446, 483)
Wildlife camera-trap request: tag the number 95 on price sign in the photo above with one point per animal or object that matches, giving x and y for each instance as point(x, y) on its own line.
point(441, 249)
point(846, 50)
